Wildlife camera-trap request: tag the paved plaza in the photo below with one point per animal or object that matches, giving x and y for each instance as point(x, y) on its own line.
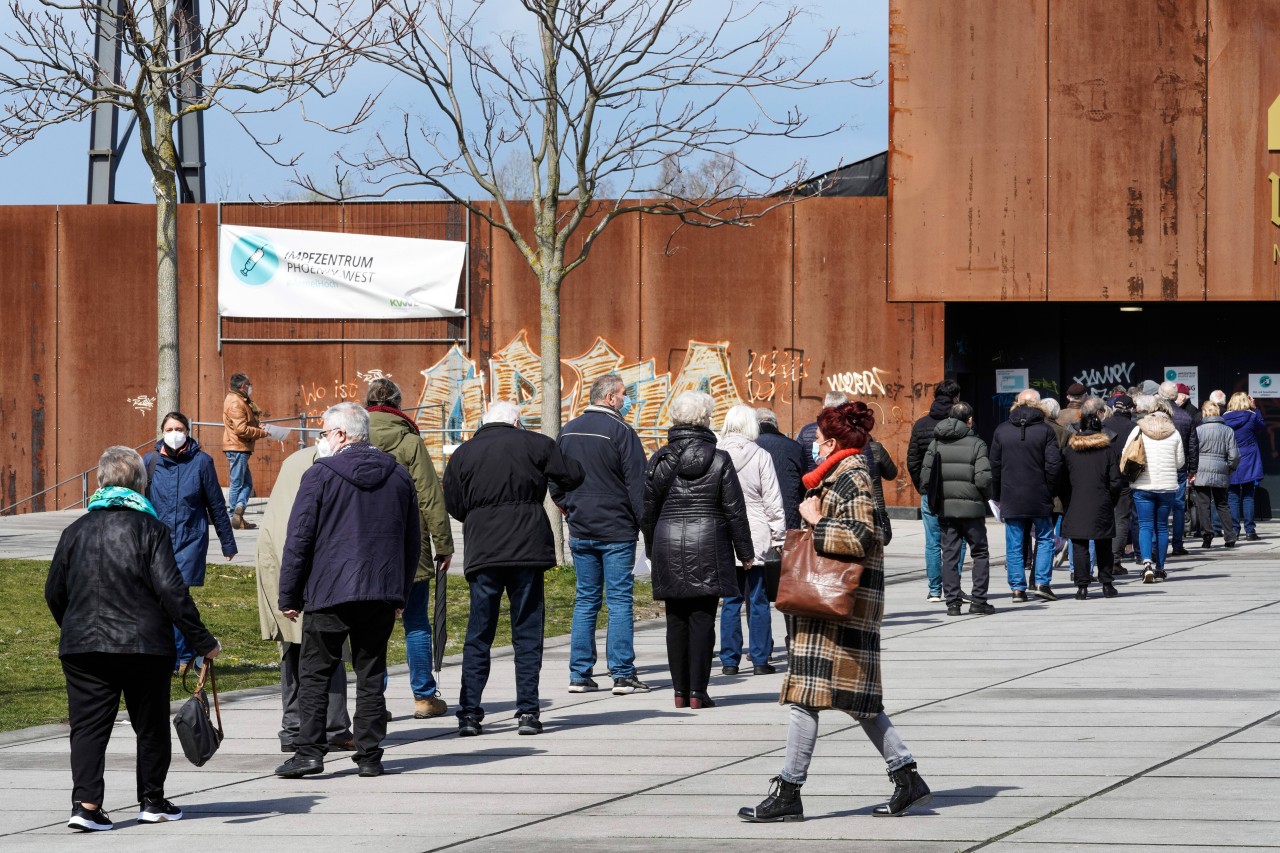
point(1146, 722)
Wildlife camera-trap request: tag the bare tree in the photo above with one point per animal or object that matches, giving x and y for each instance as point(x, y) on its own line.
point(706, 179)
point(171, 65)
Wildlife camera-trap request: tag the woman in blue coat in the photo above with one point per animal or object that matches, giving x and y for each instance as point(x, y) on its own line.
point(1242, 416)
point(182, 485)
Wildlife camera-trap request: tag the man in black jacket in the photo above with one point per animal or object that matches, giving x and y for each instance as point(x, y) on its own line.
point(945, 394)
point(1186, 426)
point(496, 485)
point(1118, 428)
point(964, 487)
point(604, 524)
point(788, 463)
point(349, 561)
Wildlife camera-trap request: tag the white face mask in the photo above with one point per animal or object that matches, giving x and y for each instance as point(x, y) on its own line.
point(175, 438)
point(322, 448)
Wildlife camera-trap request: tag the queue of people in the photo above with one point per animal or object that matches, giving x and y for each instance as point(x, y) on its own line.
point(357, 528)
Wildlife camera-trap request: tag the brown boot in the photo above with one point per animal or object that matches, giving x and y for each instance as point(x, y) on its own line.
point(238, 522)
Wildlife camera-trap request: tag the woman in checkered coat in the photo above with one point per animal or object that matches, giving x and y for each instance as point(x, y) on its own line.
point(836, 665)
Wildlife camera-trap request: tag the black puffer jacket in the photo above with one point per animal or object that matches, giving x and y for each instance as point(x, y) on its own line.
point(922, 437)
point(1186, 426)
point(1025, 462)
point(1090, 486)
point(965, 470)
point(695, 519)
point(114, 587)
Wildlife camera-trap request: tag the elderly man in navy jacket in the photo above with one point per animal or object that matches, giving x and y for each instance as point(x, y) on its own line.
point(349, 561)
point(604, 525)
point(496, 485)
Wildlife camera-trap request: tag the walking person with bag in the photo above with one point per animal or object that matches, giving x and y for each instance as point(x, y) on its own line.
point(836, 665)
point(1158, 445)
point(1090, 489)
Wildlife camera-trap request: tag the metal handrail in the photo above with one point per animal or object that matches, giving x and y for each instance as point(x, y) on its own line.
point(83, 477)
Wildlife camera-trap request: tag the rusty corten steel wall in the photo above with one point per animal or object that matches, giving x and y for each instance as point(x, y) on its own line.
point(967, 156)
point(776, 314)
point(1127, 150)
point(1244, 81)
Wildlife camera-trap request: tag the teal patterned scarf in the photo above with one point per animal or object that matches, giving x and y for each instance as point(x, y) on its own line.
point(112, 497)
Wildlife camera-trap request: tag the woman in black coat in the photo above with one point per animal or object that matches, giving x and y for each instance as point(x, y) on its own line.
point(695, 521)
point(116, 593)
point(1090, 488)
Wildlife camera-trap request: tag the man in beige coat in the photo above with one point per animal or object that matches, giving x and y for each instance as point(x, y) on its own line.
point(271, 538)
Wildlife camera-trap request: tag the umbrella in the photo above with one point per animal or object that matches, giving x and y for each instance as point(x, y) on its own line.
point(439, 634)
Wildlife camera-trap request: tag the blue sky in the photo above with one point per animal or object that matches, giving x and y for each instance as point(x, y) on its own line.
point(54, 168)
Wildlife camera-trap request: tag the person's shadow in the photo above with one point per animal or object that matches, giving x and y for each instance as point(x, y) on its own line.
point(252, 811)
point(949, 799)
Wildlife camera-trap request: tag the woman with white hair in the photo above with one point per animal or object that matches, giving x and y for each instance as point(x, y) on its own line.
point(695, 520)
point(1156, 488)
point(759, 482)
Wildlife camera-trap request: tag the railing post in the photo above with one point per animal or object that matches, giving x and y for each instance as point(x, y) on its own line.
point(84, 488)
point(302, 431)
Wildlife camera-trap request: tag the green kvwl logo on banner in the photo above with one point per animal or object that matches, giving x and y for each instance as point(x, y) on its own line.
point(254, 260)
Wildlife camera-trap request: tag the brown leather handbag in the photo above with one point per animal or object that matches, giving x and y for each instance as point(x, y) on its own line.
point(816, 585)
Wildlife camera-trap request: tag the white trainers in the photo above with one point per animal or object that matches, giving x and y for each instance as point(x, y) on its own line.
point(158, 811)
point(89, 820)
point(1148, 574)
point(934, 597)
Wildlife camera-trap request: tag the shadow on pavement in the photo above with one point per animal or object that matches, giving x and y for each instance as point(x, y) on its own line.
point(255, 810)
point(941, 800)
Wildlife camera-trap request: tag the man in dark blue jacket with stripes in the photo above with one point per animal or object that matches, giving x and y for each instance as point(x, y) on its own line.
point(604, 524)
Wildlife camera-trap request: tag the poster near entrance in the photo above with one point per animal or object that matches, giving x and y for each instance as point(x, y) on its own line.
point(1012, 381)
point(1189, 376)
point(1264, 385)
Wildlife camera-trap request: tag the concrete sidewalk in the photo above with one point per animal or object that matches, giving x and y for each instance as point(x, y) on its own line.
point(1149, 721)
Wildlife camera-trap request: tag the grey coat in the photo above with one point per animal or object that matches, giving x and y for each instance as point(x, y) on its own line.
point(1219, 453)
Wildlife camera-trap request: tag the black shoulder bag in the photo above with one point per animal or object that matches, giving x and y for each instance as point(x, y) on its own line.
point(199, 737)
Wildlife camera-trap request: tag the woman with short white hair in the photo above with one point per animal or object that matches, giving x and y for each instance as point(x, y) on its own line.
point(695, 521)
point(759, 482)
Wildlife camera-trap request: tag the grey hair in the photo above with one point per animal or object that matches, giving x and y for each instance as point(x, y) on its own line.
point(1030, 398)
point(1219, 397)
point(1163, 405)
point(742, 420)
point(692, 408)
point(1169, 390)
point(1144, 404)
point(1050, 407)
point(767, 416)
point(833, 399)
point(605, 385)
point(351, 418)
point(1094, 406)
point(501, 412)
point(122, 466)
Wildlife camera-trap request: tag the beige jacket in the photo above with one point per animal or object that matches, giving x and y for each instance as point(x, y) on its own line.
point(241, 423)
point(271, 535)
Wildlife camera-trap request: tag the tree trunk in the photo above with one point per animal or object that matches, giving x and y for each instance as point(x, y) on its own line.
point(168, 378)
point(549, 292)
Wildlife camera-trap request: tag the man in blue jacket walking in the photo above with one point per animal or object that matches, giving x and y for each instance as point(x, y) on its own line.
point(604, 524)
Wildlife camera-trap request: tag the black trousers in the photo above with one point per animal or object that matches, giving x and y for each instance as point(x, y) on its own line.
point(337, 720)
point(974, 532)
point(95, 683)
point(1123, 513)
point(524, 590)
point(367, 624)
point(1209, 498)
point(1080, 561)
point(691, 638)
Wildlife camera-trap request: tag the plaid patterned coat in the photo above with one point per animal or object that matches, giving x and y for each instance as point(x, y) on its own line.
point(837, 664)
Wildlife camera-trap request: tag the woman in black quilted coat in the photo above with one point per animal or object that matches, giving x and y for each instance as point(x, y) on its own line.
point(695, 522)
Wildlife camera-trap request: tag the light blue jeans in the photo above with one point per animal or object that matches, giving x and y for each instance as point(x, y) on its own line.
point(417, 640)
point(1152, 509)
point(933, 548)
point(802, 735)
point(241, 480)
point(1014, 530)
point(605, 571)
point(751, 589)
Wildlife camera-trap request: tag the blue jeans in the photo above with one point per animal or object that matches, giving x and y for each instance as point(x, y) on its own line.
point(417, 640)
point(525, 593)
point(241, 479)
point(1152, 509)
point(1014, 531)
point(1240, 500)
point(933, 548)
point(604, 570)
point(1180, 511)
point(751, 588)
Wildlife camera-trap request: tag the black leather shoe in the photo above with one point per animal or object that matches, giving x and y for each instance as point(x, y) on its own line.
point(1082, 592)
point(1119, 570)
point(953, 609)
point(1181, 552)
point(1019, 595)
point(782, 804)
point(981, 608)
point(296, 768)
point(1109, 591)
point(1206, 542)
point(698, 701)
point(370, 769)
point(763, 669)
point(909, 791)
point(1253, 537)
point(728, 670)
point(1045, 592)
point(469, 727)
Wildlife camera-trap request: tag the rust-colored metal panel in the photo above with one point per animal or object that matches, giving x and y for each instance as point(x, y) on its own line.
point(1127, 151)
point(106, 333)
point(28, 356)
point(967, 149)
point(848, 338)
point(1244, 85)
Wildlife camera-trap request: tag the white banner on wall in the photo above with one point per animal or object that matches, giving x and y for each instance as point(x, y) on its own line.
point(273, 272)
point(1012, 381)
point(1264, 385)
point(1189, 376)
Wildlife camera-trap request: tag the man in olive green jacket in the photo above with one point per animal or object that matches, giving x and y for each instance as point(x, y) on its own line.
point(395, 432)
point(288, 634)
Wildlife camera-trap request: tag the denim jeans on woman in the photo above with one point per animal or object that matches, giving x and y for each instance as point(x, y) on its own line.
point(1153, 509)
point(933, 548)
point(759, 620)
point(1240, 501)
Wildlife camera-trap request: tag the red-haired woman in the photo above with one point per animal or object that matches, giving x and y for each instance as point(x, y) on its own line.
point(836, 665)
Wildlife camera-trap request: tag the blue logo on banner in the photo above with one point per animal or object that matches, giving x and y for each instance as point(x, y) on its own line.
point(254, 260)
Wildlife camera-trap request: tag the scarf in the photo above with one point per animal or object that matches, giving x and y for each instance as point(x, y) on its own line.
point(392, 410)
point(814, 477)
point(118, 497)
point(253, 407)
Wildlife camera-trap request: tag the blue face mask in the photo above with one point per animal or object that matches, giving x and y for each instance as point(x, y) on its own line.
point(626, 407)
point(816, 452)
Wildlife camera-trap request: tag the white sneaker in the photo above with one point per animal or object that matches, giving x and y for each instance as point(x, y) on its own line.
point(89, 820)
point(158, 811)
point(934, 597)
point(1148, 574)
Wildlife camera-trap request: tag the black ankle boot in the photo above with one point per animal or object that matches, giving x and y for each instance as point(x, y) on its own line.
point(1082, 592)
point(908, 790)
point(783, 803)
